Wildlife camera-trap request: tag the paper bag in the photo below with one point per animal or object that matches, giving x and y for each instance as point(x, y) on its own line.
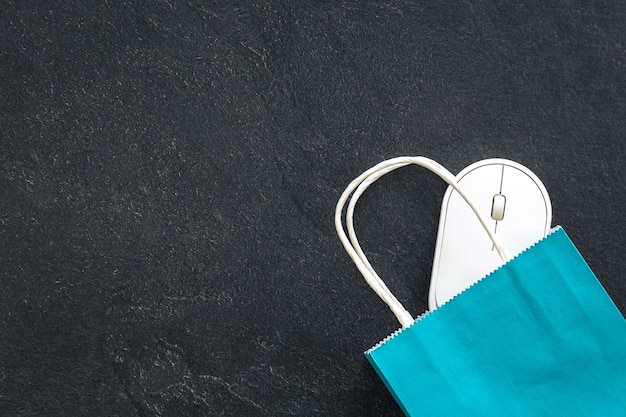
point(538, 337)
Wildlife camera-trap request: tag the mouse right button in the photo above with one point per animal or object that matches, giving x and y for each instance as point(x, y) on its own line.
point(528, 210)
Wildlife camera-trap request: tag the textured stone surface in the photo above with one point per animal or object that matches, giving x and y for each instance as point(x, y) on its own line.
point(169, 172)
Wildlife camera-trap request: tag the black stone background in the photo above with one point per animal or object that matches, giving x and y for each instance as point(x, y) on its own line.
point(169, 171)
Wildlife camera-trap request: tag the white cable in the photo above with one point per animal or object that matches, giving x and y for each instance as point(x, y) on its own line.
point(351, 244)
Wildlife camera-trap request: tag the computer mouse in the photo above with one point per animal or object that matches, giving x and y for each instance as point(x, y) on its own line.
point(518, 207)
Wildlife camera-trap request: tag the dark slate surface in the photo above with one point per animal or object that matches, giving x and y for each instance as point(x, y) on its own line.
point(169, 171)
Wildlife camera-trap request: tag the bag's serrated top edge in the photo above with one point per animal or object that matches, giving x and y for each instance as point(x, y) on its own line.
point(424, 315)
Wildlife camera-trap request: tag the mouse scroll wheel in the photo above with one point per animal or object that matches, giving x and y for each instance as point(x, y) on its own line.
point(497, 207)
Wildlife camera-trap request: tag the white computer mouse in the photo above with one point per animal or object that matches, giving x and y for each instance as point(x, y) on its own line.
point(518, 207)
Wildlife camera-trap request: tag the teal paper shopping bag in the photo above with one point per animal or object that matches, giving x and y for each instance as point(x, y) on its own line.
point(537, 337)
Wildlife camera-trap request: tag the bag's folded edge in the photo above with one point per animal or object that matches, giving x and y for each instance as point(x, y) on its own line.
point(429, 313)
